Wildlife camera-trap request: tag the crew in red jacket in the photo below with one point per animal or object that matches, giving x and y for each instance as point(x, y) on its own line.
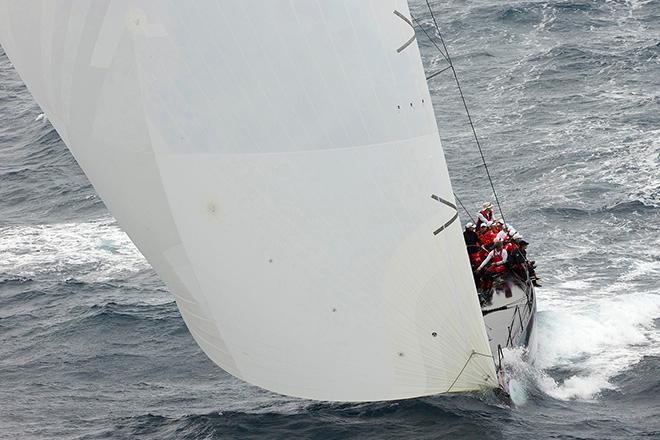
point(510, 244)
point(488, 235)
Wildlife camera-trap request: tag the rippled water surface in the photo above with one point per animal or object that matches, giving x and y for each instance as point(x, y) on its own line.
point(566, 99)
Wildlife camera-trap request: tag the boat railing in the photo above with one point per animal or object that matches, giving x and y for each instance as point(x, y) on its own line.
point(511, 333)
point(527, 282)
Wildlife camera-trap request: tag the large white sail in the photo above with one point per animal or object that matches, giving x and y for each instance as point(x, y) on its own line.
point(274, 161)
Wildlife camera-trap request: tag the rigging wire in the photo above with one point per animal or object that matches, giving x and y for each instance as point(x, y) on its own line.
point(433, 75)
point(464, 209)
point(430, 39)
point(447, 57)
point(473, 353)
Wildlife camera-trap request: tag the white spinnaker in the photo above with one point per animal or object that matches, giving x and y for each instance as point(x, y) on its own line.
point(274, 161)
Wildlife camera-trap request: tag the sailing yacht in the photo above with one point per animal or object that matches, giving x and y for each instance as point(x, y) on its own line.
point(274, 161)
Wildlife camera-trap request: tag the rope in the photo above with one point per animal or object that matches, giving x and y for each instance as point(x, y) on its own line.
point(447, 57)
point(431, 39)
point(464, 209)
point(463, 369)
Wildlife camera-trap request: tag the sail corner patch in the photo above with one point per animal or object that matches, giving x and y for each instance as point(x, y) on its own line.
point(407, 20)
point(452, 220)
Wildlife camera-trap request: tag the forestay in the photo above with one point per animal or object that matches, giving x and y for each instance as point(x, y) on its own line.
point(274, 161)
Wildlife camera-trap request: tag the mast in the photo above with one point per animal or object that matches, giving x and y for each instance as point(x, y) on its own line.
point(274, 162)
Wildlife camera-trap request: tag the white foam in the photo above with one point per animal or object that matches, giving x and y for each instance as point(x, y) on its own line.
point(91, 251)
point(590, 342)
point(574, 284)
point(547, 19)
point(639, 159)
point(642, 270)
point(575, 387)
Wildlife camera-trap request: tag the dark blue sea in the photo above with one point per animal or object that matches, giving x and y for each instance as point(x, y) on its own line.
point(565, 96)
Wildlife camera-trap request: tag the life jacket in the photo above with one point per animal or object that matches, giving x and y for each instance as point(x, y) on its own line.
point(476, 258)
point(497, 257)
point(510, 246)
point(487, 238)
point(488, 215)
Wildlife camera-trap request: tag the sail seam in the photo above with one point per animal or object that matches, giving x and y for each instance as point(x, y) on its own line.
point(409, 140)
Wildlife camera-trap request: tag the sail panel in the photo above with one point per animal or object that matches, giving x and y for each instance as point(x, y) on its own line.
point(274, 161)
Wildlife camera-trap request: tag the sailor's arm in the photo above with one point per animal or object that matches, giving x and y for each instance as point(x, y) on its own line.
point(486, 261)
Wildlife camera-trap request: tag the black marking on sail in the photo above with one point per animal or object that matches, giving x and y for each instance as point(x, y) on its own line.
point(409, 42)
point(452, 220)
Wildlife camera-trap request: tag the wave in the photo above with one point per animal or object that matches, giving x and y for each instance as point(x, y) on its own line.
point(641, 383)
point(632, 206)
point(584, 347)
point(15, 281)
point(91, 342)
point(401, 419)
point(93, 251)
point(40, 178)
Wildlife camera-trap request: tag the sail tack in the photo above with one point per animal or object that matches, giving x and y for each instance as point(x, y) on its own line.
point(274, 161)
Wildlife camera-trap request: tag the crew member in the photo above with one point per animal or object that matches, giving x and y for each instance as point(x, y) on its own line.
point(471, 239)
point(486, 214)
point(502, 234)
point(518, 258)
point(497, 257)
point(487, 236)
point(519, 262)
point(512, 243)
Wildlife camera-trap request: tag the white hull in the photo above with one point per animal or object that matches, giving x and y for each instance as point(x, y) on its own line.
point(509, 316)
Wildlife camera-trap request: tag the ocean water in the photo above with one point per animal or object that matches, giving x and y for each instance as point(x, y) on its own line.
point(566, 99)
